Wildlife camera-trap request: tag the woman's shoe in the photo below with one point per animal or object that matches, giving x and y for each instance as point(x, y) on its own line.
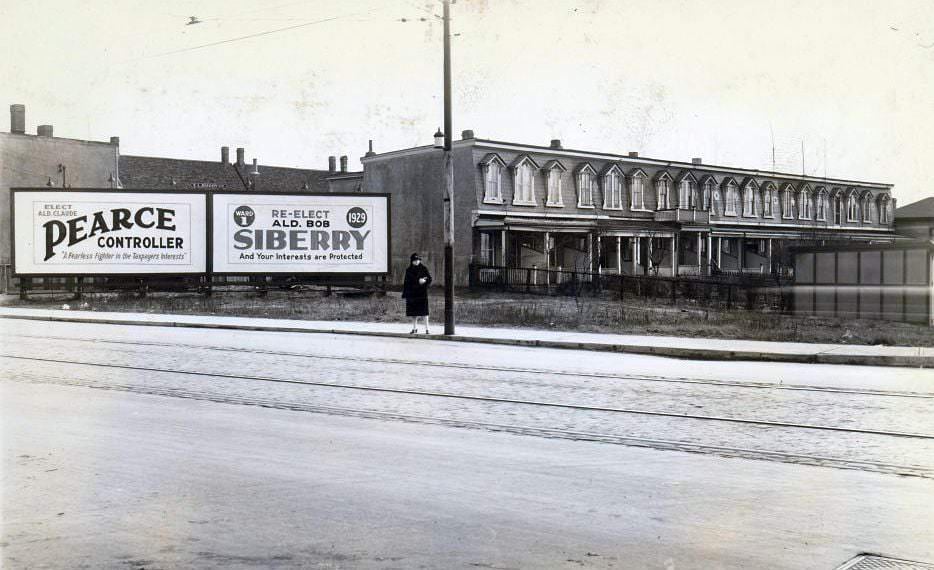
point(413, 331)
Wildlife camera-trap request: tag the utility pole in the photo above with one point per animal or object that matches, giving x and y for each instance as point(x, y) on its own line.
point(448, 180)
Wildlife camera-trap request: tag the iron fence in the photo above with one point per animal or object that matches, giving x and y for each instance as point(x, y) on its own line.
point(749, 291)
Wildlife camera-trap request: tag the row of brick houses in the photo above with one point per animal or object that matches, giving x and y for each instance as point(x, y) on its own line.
point(520, 205)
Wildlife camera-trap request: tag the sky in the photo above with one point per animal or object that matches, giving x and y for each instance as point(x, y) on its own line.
point(849, 81)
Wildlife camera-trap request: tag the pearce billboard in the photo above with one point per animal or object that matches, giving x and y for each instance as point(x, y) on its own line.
point(106, 232)
point(300, 233)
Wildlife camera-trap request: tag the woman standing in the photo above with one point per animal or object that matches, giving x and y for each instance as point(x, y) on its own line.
point(415, 292)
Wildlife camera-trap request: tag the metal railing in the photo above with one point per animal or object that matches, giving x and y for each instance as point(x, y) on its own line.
point(751, 291)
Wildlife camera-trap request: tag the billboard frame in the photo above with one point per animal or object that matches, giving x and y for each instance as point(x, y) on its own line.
point(209, 272)
point(330, 274)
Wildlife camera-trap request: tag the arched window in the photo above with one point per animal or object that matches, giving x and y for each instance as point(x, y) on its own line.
point(867, 207)
point(804, 204)
point(852, 208)
point(687, 193)
point(768, 194)
point(524, 182)
point(732, 198)
point(821, 205)
point(553, 171)
point(637, 190)
point(709, 186)
point(585, 183)
point(492, 179)
point(837, 208)
point(663, 191)
point(749, 200)
point(613, 189)
point(788, 203)
point(716, 203)
point(884, 209)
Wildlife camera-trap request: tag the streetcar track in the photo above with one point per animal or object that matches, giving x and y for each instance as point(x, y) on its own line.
point(489, 399)
point(633, 441)
point(493, 368)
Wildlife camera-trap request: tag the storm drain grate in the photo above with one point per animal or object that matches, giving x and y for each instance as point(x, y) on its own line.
point(876, 562)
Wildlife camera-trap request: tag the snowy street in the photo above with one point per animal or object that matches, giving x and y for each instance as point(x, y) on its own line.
point(159, 447)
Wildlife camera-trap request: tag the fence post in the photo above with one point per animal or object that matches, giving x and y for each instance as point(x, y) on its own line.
point(621, 286)
point(674, 291)
point(729, 296)
point(528, 280)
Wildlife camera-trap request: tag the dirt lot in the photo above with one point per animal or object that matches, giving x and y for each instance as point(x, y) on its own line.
point(592, 314)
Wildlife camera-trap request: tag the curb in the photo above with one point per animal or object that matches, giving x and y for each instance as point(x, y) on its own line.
point(664, 351)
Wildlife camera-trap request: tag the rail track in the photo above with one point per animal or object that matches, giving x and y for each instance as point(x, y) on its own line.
point(633, 441)
point(437, 364)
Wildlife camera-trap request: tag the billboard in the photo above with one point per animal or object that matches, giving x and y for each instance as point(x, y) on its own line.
point(300, 233)
point(104, 232)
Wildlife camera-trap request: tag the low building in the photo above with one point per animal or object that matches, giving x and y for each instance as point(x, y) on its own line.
point(916, 220)
point(520, 205)
point(44, 160)
point(881, 281)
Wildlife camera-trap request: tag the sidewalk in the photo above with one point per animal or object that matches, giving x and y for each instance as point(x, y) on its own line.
point(676, 347)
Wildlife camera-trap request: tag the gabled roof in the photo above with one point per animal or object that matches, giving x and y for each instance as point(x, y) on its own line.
point(727, 180)
point(584, 167)
point(920, 209)
point(686, 175)
point(787, 186)
point(661, 175)
point(766, 183)
point(492, 157)
point(708, 178)
point(552, 164)
point(144, 172)
point(610, 167)
point(805, 186)
point(749, 179)
point(637, 172)
point(521, 159)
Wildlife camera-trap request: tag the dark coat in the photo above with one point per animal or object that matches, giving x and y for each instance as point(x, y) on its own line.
point(414, 293)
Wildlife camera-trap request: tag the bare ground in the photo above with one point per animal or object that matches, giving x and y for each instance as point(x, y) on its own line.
point(585, 314)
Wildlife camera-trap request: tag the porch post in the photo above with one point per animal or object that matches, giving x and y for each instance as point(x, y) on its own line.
point(674, 254)
point(720, 253)
point(709, 253)
point(547, 250)
point(769, 253)
point(502, 255)
point(699, 250)
point(648, 251)
point(599, 252)
point(635, 255)
point(590, 252)
point(619, 255)
point(742, 254)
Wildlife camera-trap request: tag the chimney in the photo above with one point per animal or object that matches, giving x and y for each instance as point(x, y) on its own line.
point(18, 119)
point(633, 154)
point(240, 158)
point(344, 163)
point(696, 161)
point(370, 152)
point(115, 141)
point(255, 168)
point(468, 134)
point(225, 155)
point(44, 130)
point(332, 164)
point(555, 143)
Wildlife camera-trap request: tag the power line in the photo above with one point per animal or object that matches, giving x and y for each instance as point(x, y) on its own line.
point(259, 34)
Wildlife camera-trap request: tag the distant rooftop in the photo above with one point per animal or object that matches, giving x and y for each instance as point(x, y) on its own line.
point(142, 172)
point(920, 209)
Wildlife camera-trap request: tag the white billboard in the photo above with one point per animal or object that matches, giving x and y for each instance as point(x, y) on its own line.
point(100, 232)
point(300, 233)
